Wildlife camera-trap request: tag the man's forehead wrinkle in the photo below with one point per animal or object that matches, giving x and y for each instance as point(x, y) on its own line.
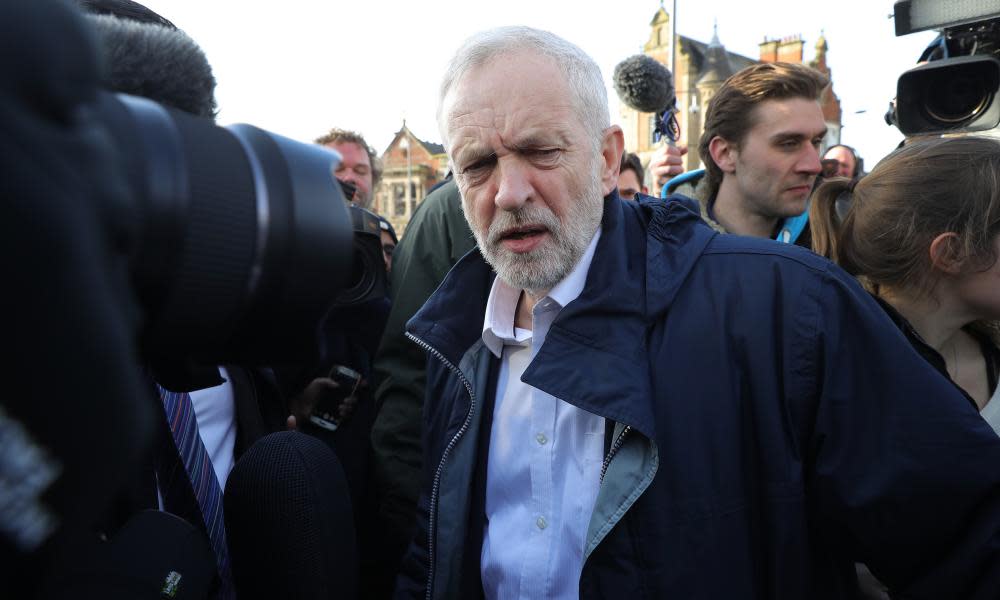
point(464, 117)
point(490, 109)
point(465, 128)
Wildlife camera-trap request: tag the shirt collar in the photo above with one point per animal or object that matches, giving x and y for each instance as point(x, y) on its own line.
point(498, 326)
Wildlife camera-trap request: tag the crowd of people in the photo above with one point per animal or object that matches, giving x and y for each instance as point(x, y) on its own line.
point(776, 377)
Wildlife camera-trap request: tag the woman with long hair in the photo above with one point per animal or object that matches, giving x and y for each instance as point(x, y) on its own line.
point(922, 232)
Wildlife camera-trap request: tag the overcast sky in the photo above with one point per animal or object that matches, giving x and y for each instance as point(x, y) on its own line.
point(300, 67)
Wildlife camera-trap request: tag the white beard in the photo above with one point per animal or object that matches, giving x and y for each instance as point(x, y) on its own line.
point(541, 269)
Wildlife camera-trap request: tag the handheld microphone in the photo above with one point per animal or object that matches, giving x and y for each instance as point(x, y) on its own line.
point(645, 85)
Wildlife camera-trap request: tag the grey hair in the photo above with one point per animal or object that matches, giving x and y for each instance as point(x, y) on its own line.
point(582, 74)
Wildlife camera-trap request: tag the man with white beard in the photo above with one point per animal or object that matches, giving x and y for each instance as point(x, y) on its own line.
point(623, 403)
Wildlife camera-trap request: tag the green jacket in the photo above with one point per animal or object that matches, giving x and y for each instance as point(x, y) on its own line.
point(436, 237)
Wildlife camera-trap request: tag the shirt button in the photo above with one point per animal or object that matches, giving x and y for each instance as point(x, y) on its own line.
point(541, 439)
point(541, 522)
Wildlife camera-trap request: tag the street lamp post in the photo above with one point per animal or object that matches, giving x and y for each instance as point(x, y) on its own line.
point(405, 145)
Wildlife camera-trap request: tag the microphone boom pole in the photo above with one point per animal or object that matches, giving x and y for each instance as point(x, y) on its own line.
point(673, 38)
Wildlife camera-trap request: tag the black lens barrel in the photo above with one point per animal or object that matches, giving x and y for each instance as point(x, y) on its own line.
point(949, 96)
point(245, 241)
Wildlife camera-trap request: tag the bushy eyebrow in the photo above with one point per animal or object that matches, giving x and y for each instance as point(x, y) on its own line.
point(471, 155)
point(357, 168)
point(535, 140)
point(795, 135)
point(527, 141)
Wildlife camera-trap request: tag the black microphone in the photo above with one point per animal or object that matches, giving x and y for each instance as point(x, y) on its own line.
point(646, 85)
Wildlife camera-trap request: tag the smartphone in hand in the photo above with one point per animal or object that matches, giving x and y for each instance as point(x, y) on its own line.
point(326, 412)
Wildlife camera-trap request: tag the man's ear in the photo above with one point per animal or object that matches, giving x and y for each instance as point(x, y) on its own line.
point(945, 253)
point(612, 146)
point(724, 153)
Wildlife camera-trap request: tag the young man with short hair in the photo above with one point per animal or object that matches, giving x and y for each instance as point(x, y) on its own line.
point(760, 146)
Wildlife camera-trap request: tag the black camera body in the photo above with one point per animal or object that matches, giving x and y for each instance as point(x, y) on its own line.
point(368, 278)
point(956, 89)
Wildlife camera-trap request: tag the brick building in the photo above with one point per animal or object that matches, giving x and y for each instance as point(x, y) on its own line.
point(700, 70)
point(411, 167)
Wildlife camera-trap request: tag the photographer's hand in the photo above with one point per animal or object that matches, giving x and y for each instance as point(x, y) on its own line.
point(319, 389)
point(349, 403)
point(301, 406)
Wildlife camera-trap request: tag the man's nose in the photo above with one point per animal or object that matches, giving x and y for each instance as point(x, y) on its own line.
point(809, 161)
point(514, 186)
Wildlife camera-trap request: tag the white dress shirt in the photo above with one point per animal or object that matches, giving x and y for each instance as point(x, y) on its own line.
point(545, 458)
point(215, 412)
point(991, 412)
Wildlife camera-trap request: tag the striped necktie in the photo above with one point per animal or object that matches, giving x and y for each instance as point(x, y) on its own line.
point(180, 415)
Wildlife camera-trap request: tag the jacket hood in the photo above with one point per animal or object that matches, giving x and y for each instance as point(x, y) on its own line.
point(646, 251)
point(697, 189)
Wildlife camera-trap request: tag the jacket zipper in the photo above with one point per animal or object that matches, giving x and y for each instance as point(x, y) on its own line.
point(432, 509)
point(614, 449)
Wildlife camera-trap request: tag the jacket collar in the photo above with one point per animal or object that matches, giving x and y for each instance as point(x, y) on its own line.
point(645, 253)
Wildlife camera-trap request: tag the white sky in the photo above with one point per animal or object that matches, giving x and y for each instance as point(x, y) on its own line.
point(300, 67)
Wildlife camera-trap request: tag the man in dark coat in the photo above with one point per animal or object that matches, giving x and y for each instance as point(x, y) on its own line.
point(623, 403)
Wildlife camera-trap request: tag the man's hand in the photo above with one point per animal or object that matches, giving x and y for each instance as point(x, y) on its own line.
point(665, 164)
point(318, 390)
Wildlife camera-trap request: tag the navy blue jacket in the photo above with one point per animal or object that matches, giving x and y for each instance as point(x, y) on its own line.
point(771, 427)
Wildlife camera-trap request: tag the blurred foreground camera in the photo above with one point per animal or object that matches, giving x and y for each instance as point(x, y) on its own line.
point(132, 234)
point(956, 90)
point(243, 240)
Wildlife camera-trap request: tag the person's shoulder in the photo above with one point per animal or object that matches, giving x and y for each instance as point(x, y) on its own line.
point(441, 207)
point(444, 197)
point(764, 262)
point(766, 249)
point(676, 224)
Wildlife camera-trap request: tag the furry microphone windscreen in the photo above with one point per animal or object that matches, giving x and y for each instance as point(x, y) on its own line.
point(156, 62)
point(289, 521)
point(644, 84)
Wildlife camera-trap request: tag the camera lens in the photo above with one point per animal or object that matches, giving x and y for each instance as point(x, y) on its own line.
point(368, 269)
point(949, 96)
point(830, 167)
point(244, 239)
point(963, 96)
